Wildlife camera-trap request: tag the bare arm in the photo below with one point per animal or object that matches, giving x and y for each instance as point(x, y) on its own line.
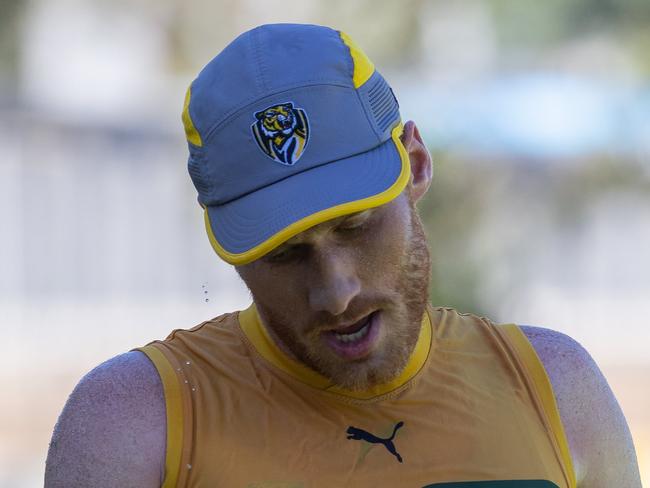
point(598, 435)
point(112, 429)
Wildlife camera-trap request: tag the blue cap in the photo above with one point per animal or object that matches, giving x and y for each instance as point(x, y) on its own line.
point(289, 126)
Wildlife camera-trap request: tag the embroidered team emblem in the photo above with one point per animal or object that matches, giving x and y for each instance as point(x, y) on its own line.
point(282, 132)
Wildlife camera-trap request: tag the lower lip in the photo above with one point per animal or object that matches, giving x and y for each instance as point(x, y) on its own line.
point(359, 348)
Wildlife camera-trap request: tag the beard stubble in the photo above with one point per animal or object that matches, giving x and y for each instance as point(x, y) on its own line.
point(409, 298)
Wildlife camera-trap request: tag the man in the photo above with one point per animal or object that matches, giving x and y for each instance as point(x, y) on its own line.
point(339, 373)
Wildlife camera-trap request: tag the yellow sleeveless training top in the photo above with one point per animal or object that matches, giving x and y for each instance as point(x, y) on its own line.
point(473, 408)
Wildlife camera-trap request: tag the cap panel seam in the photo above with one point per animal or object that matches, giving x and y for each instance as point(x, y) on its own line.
point(251, 100)
point(365, 112)
point(193, 119)
point(350, 63)
point(259, 62)
point(350, 60)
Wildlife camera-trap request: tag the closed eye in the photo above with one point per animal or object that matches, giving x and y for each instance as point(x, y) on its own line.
point(289, 253)
point(351, 228)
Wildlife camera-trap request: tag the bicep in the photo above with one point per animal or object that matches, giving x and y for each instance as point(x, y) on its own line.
point(598, 435)
point(112, 429)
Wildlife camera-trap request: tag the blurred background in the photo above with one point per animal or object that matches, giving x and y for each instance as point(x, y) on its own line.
point(537, 115)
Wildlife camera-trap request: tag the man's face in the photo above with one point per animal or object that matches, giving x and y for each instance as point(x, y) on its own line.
point(347, 296)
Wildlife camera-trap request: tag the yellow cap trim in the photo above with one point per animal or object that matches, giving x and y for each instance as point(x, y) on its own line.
point(363, 67)
point(257, 333)
point(174, 408)
point(329, 213)
point(191, 133)
point(544, 390)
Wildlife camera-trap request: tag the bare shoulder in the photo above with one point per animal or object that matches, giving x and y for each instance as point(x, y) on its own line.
point(112, 429)
point(598, 435)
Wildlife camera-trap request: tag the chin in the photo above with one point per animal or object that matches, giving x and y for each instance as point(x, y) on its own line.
point(367, 374)
point(382, 365)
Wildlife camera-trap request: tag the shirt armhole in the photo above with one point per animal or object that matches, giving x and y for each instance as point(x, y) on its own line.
point(174, 413)
point(544, 389)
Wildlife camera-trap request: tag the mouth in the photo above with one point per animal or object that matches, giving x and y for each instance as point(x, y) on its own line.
point(355, 341)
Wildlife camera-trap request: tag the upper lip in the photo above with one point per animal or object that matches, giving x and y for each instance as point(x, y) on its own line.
point(345, 325)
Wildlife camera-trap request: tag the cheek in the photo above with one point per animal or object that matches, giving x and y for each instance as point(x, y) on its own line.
point(382, 254)
point(277, 292)
point(273, 289)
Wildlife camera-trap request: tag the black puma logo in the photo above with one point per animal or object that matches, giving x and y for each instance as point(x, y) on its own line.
point(360, 434)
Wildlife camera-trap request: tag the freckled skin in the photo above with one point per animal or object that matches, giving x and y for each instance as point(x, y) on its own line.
point(599, 438)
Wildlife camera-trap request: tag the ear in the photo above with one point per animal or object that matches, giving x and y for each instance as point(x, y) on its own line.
point(421, 165)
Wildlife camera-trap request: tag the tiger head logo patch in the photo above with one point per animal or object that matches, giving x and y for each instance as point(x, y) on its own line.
point(282, 132)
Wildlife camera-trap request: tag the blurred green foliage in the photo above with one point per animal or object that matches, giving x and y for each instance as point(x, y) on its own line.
point(482, 214)
point(556, 21)
point(528, 25)
point(450, 212)
point(10, 20)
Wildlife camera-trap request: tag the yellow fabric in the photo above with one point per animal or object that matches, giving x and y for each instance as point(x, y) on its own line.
point(535, 369)
point(174, 409)
point(469, 413)
point(330, 213)
point(191, 133)
point(363, 67)
point(258, 335)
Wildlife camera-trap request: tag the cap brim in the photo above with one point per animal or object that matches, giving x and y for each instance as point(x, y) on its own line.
point(247, 228)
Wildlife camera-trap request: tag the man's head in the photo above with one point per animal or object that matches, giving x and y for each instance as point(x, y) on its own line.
point(308, 181)
point(370, 267)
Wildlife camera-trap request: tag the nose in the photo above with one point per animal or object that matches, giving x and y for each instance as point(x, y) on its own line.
point(334, 284)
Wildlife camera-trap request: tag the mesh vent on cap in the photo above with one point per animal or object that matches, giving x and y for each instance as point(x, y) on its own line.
point(381, 104)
